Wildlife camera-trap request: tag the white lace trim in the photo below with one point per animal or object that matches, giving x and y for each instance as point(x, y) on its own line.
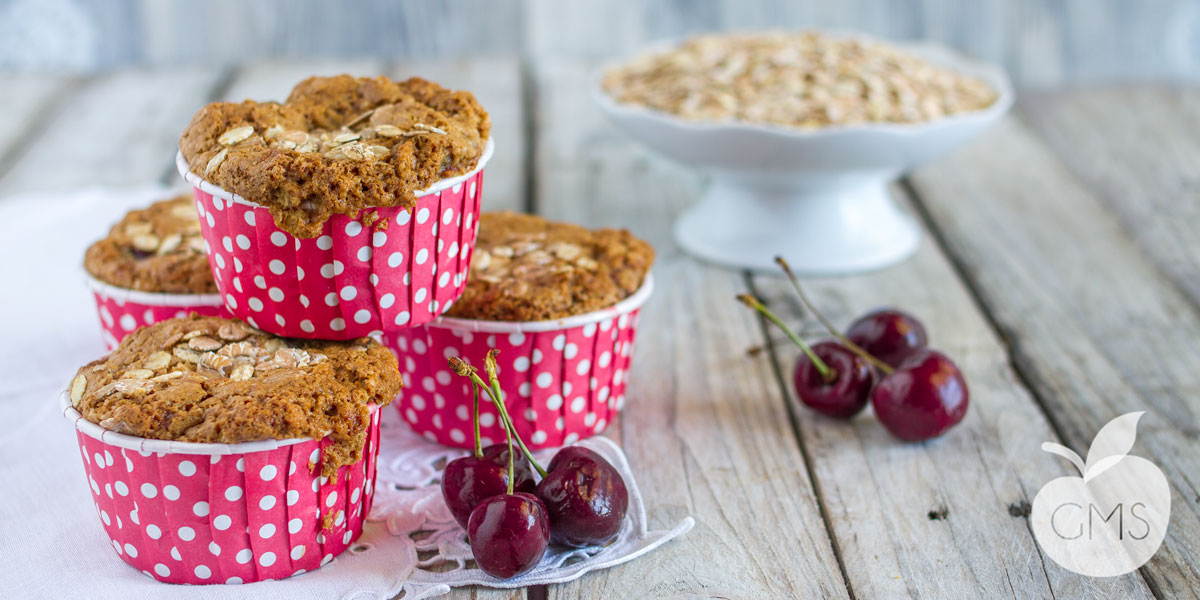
point(409, 500)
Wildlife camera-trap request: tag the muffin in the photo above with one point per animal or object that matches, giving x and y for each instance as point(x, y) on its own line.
point(218, 453)
point(561, 303)
point(347, 210)
point(526, 268)
point(151, 266)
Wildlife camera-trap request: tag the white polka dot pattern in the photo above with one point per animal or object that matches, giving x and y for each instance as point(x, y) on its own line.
point(550, 376)
point(351, 266)
point(120, 316)
point(215, 521)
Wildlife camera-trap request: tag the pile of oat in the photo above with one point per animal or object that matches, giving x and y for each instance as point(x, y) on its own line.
point(802, 80)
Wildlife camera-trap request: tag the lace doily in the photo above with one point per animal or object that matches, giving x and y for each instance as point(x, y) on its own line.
point(408, 500)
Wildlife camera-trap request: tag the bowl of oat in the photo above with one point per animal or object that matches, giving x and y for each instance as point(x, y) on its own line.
point(800, 135)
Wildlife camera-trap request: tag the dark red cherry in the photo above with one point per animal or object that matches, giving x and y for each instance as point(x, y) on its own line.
point(888, 334)
point(509, 534)
point(847, 393)
point(922, 398)
point(467, 481)
point(522, 472)
point(585, 496)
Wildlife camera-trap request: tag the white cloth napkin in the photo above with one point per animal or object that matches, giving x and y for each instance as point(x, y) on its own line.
point(51, 542)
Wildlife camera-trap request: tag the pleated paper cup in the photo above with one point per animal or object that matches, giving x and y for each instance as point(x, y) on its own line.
point(401, 269)
point(223, 513)
point(123, 310)
point(564, 379)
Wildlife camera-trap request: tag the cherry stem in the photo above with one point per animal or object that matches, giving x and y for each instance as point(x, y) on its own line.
point(509, 434)
point(827, 372)
point(475, 420)
point(855, 348)
point(489, 365)
point(460, 367)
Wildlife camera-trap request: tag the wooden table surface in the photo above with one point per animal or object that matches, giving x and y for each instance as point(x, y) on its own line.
point(1060, 267)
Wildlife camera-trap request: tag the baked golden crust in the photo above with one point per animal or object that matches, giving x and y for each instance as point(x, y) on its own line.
point(209, 379)
point(525, 268)
point(336, 146)
point(155, 249)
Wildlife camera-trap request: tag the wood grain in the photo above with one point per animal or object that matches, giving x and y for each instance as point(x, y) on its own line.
point(885, 499)
point(1092, 323)
point(27, 102)
point(1038, 42)
point(119, 129)
point(705, 429)
point(1141, 164)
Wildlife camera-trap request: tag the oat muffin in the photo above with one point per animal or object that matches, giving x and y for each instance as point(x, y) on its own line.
point(208, 379)
point(526, 268)
point(337, 145)
point(155, 249)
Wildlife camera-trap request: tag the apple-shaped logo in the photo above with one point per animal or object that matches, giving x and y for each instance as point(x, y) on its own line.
point(1112, 518)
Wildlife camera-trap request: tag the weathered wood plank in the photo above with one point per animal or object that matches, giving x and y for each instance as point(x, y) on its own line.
point(230, 30)
point(1093, 325)
point(1141, 163)
point(274, 79)
point(705, 430)
point(26, 103)
point(119, 129)
point(1038, 42)
point(879, 492)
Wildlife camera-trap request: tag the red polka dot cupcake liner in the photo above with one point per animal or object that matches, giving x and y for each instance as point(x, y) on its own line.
point(564, 379)
point(353, 280)
point(122, 310)
point(195, 513)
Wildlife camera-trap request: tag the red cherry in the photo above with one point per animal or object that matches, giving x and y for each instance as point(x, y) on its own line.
point(846, 393)
point(888, 334)
point(585, 496)
point(509, 534)
point(922, 398)
point(467, 481)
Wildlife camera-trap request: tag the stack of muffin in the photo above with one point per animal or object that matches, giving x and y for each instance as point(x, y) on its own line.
point(229, 450)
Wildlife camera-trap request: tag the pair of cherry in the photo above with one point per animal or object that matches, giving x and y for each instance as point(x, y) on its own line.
point(883, 358)
point(510, 520)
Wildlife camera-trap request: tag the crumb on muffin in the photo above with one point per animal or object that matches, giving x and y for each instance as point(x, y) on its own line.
point(526, 268)
point(209, 379)
point(155, 249)
point(336, 146)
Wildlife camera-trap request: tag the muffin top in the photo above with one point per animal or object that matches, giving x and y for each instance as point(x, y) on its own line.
point(337, 145)
point(526, 268)
point(208, 379)
point(154, 249)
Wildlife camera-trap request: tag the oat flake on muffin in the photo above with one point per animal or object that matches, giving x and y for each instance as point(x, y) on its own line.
point(336, 146)
point(209, 379)
point(526, 268)
point(156, 249)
